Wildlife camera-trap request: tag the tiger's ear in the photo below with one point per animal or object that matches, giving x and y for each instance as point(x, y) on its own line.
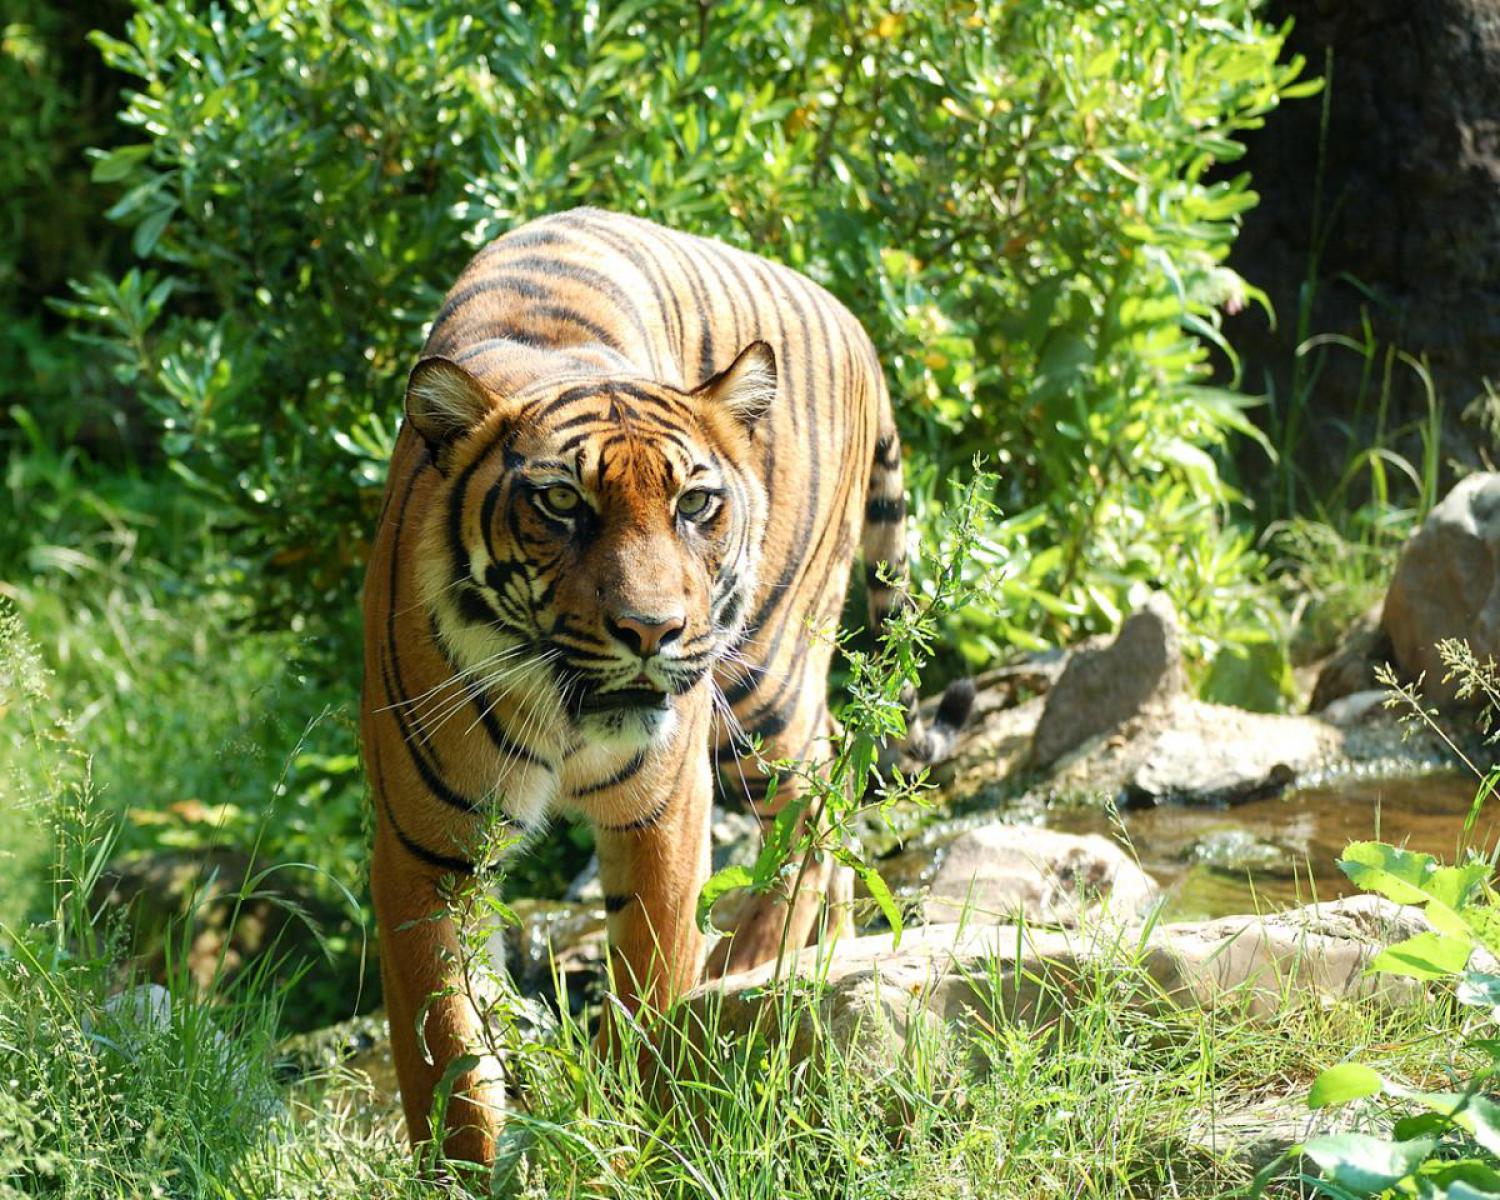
point(746, 386)
point(443, 402)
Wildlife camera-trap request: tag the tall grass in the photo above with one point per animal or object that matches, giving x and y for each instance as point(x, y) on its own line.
point(133, 1097)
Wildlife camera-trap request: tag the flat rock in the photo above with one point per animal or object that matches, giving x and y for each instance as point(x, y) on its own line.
point(1197, 753)
point(874, 996)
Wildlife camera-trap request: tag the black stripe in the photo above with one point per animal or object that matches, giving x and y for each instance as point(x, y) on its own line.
point(429, 776)
point(880, 511)
point(630, 769)
point(491, 283)
point(459, 866)
point(645, 822)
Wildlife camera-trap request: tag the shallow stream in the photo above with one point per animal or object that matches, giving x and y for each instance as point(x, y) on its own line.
point(1280, 852)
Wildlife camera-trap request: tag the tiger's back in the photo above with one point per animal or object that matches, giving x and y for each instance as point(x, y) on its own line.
point(554, 624)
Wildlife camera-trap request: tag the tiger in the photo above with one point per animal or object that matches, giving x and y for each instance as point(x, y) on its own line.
point(625, 499)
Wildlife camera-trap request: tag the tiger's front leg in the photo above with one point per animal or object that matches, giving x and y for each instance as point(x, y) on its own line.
point(424, 989)
point(652, 868)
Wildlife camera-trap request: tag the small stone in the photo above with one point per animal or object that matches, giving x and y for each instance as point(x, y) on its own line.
point(1357, 708)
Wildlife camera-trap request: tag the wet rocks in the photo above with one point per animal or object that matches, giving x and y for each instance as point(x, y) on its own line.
point(1447, 584)
point(558, 949)
point(1103, 687)
point(1238, 851)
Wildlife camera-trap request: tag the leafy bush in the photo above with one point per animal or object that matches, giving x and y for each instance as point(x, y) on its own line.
point(1015, 199)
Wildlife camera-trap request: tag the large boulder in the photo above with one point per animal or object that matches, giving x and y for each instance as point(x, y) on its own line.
point(874, 996)
point(1103, 687)
point(1447, 584)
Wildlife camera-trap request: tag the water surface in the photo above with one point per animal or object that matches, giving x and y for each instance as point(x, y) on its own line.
point(1280, 852)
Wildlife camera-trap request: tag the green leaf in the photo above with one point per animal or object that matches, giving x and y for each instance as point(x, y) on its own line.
point(1474, 1114)
point(149, 231)
point(1388, 871)
point(879, 890)
point(1367, 1164)
point(118, 164)
point(1343, 1083)
point(720, 883)
point(1426, 956)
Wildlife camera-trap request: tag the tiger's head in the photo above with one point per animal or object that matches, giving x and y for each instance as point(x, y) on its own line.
point(593, 548)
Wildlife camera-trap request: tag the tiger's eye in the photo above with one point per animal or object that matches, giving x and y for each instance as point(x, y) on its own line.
point(694, 504)
point(559, 501)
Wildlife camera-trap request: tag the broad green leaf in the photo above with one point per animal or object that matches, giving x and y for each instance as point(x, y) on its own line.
point(879, 891)
point(1483, 921)
point(1343, 1083)
point(1366, 1164)
point(1388, 871)
point(1476, 1178)
point(1426, 956)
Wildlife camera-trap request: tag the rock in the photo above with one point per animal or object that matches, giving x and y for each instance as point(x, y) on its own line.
point(875, 997)
point(1102, 688)
point(992, 873)
point(238, 911)
point(1210, 754)
point(1195, 753)
point(558, 943)
point(1356, 709)
point(1258, 1132)
point(1238, 851)
point(991, 750)
point(1447, 584)
point(1350, 669)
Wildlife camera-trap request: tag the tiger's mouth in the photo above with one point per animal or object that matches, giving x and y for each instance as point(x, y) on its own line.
point(629, 699)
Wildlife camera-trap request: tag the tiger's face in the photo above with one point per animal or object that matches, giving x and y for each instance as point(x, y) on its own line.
point(595, 545)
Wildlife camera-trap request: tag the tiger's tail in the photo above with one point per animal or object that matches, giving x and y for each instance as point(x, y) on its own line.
point(884, 551)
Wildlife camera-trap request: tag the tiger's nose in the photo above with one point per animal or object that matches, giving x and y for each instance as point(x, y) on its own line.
point(646, 635)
